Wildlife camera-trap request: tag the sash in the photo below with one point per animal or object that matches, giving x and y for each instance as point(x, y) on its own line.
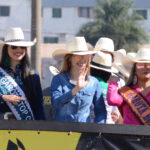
point(138, 104)
point(8, 86)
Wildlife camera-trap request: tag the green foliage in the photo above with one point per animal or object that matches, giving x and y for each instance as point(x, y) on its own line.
point(116, 19)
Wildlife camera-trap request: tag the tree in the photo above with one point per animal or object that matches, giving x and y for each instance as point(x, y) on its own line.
point(117, 20)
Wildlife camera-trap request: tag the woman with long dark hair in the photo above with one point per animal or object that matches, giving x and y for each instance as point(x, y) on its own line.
point(134, 98)
point(23, 99)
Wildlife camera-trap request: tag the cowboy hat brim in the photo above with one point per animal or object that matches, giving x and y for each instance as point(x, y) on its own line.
point(83, 52)
point(112, 69)
point(60, 53)
point(20, 43)
point(132, 57)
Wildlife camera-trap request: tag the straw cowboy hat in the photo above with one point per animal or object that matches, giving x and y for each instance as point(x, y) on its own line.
point(118, 56)
point(105, 44)
point(53, 70)
point(15, 37)
point(143, 56)
point(75, 46)
point(126, 64)
point(103, 61)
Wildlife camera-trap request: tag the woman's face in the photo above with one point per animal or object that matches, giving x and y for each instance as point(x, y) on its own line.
point(16, 53)
point(143, 71)
point(79, 62)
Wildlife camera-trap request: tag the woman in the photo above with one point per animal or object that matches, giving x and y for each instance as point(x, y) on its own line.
point(23, 96)
point(101, 69)
point(134, 98)
point(73, 91)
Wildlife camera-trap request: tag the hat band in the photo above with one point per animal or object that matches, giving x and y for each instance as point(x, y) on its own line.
point(15, 40)
point(99, 65)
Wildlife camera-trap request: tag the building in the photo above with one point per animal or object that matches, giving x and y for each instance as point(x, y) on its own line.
point(15, 13)
point(143, 8)
point(61, 19)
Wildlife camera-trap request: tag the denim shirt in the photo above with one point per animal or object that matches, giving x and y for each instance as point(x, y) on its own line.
point(76, 108)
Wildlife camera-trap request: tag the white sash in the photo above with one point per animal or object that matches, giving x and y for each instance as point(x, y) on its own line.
point(8, 86)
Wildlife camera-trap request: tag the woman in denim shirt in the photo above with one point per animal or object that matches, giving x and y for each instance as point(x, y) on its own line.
point(73, 91)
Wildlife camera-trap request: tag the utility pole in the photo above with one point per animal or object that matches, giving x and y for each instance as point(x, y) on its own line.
point(36, 33)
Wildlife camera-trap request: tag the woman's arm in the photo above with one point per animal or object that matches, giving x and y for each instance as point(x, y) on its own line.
point(113, 97)
point(38, 104)
point(62, 91)
point(60, 96)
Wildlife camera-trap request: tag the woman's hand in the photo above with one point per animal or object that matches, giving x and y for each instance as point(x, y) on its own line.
point(81, 83)
point(114, 116)
point(113, 78)
point(117, 118)
point(12, 98)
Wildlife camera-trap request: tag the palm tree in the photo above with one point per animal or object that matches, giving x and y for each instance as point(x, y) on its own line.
point(117, 20)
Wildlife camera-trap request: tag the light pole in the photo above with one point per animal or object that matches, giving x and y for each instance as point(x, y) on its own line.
point(36, 33)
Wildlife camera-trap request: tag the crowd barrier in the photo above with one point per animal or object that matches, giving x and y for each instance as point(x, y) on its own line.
point(50, 135)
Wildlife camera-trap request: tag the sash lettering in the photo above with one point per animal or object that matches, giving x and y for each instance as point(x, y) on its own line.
point(8, 86)
point(137, 103)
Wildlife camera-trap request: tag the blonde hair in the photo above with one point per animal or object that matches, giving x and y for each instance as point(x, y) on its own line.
point(66, 64)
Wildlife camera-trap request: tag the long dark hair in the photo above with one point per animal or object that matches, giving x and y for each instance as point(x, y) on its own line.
point(25, 72)
point(130, 80)
point(5, 62)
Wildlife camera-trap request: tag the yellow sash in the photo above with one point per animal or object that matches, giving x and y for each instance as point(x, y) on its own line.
point(138, 104)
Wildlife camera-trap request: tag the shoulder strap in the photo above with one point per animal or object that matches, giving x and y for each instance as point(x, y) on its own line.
point(138, 104)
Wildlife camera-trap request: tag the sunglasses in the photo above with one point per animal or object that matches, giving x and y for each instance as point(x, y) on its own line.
point(15, 47)
point(142, 65)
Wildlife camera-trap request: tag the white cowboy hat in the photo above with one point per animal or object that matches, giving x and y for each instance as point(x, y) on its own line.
point(126, 64)
point(118, 56)
point(15, 37)
point(103, 61)
point(53, 70)
point(59, 54)
point(143, 56)
point(76, 46)
point(105, 44)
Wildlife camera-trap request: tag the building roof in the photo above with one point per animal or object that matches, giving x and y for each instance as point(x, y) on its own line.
point(141, 4)
point(69, 3)
point(87, 3)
